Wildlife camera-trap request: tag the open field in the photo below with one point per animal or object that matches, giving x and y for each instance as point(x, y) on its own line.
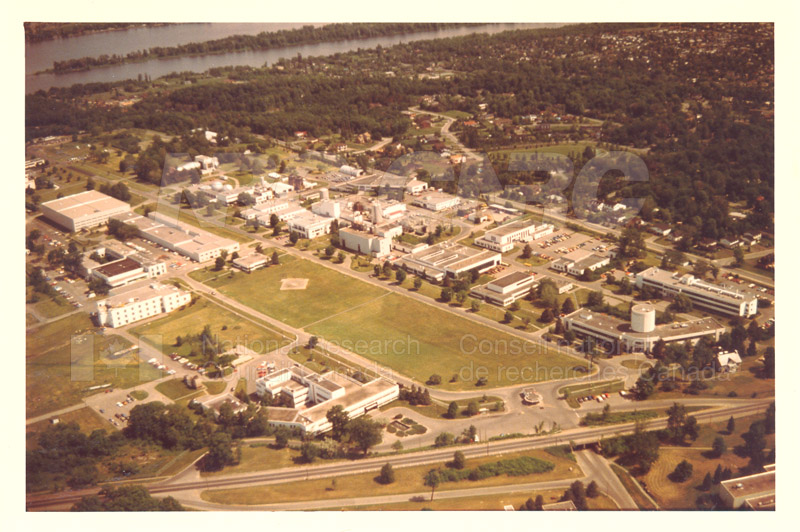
point(438, 409)
point(231, 329)
point(58, 375)
point(86, 418)
point(260, 456)
point(261, 291)
point(52, 307)
point(743, 383)
point(419, 340)
point(411, 337)
point(486, 502)
point(408, 480)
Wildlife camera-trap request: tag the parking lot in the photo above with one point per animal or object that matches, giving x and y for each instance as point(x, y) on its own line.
point(563, 241)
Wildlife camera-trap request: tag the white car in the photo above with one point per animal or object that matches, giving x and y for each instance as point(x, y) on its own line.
point(119, 404)
point(171, 372)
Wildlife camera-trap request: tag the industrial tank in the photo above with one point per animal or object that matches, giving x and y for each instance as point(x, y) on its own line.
point(643, 318)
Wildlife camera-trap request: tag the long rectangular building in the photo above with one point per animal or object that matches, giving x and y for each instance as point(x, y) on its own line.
point(701, 293)
point(138, 302)
point(507, 289)
point(83, 210)
point(502, 238)
point(449, 259)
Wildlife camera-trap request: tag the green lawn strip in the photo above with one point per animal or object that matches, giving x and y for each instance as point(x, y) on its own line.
point(139, 395)
point(180, 462)
point(215, 387)
point(593, 419)
point(590, 388)
point(633, 488)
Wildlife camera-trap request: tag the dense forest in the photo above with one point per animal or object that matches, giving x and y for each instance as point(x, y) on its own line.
point(695, 100)
point(263, 41)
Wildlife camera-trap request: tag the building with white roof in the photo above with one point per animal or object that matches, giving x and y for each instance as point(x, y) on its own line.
point(310, 225)
point(436, 201)
point(641, 333)
point(83, 210)
point(448, 259)
point(365, 242)
point(137, 302)
point(502, 238)
point(709, 296)
point(577, 262)
point(312, 395)
point(507, 289)
point(251, 262)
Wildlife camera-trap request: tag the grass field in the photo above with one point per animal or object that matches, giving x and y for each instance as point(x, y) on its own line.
point(419, 340)
point(216, 387)
point(682, 496)
point(743, 383)
point(174, 389)
point(259, 456)
point(230, 328)
point(637, 364)
point(86, 418)
point(411, 337)
point(438, 409)
point(58, 373)
point(52, 307)
point(261, 291)
point(408, 480)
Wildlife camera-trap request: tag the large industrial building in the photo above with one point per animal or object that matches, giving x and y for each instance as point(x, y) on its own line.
point(198, 245)
point(641, 333)
point(364, 242)
point(310, 225)
point(507, 289)
point(312, 395)
point(502, 238)
point(701, 293)
point(127, 270)
point(436, 201)
point(84, 210)
point(137, 302)
point(448, 259)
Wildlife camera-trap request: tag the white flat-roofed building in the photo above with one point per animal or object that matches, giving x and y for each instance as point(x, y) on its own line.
point(363, 242)
point(185, 239)
point(127, 270)
point(313, 395)
point(207, 164)
point(507, 289)
point(267, 209)
point(577, 262)
point(729, 361)
point(502, 238)
point(755, 489)
point(215, 402)
point(449, 259)
point(702, 294)
point(137, 302)
point(309, 225)
point(415, 186)
point(329, 208)
point(83, 210)
point(251, 262)
point(640, 334)
point(436, 201)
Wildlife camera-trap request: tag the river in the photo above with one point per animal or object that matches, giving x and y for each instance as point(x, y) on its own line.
point(40, 56)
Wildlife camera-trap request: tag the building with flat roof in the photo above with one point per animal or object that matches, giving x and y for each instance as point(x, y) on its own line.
point(137, 302)
point(313, 395)
point(215, 402)
point(577, 262)
point(641, 333)
point(507, 289)
point(188, 240)
point(702, 294)
point(755, 491)
point(310, 225)
point(436, 201)
point(251, 262)
point(364, 242)
point(502, 238)
point(83, 210)
point(449, 259)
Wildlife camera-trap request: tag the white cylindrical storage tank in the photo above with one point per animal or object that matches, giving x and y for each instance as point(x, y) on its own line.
point(643, 318)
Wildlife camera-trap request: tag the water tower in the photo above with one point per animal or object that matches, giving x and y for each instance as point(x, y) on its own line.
point(643, 318)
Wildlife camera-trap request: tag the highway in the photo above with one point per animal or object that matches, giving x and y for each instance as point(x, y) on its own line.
point(579, 436)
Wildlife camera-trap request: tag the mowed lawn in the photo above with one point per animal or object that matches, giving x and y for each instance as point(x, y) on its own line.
point(328, 292)
point(55, 377)
point(407, 480)
point(230, 328)
point(419, 340)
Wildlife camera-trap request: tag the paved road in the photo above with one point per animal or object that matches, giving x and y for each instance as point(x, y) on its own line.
point(578, 436)
point(596, 468)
